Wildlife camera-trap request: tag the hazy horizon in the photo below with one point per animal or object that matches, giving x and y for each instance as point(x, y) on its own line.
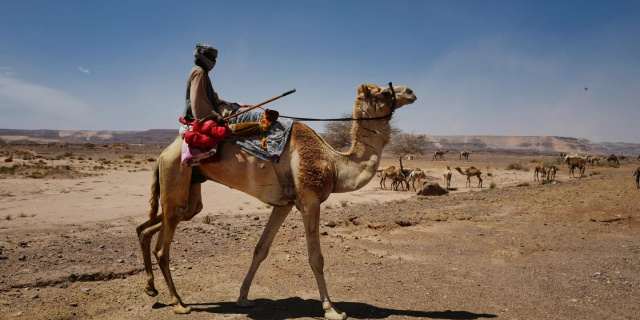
point(491, 68)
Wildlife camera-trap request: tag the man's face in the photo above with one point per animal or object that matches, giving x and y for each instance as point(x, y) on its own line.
point(211, 56)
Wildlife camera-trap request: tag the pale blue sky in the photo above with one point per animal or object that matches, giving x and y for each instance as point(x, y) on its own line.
point(477, 67)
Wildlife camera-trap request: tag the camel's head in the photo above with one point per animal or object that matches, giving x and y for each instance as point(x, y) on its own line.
point(375, 101)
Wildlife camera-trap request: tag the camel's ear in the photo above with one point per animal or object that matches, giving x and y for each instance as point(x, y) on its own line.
point(364, 90)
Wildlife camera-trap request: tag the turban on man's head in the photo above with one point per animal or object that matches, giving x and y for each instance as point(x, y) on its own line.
point(205, 56)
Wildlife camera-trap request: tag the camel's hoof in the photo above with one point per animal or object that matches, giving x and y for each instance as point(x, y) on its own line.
point(245, 303)
point(334, 315)
point(151, 291)
point(178, 309)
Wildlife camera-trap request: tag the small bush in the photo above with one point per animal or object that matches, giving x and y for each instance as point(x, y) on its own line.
point(151, 159)
point(515, 166)
point(492, 185)
point(344, 203)
point(9, 170)
point(208, 219)
point(10, 159)
point(36, 175)
point(594, 173)
point(8, 217)
point(524, 184)
point(127, 156)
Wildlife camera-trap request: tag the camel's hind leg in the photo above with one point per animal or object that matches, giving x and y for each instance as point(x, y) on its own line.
point(311, 218)
point(147, 229)
point(145, 232)
point(278, 214)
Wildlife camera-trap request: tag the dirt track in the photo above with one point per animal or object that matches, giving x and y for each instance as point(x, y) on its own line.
point(569, 250)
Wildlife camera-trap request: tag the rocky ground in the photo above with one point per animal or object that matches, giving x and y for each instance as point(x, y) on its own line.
point(519, 250)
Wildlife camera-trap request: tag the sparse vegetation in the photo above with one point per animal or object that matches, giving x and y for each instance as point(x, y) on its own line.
point(208, 219)
point(9, 170)
point(515, 166)
point(8, 217)
point(524, 184)
point(344, 203)
point(594, 173)
point(151, 159)
point(10, 159)
point(127, 156)
point(492, 185)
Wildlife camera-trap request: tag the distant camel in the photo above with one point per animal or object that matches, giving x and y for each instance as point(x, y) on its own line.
point(399, 179)
point(613, 158)
point(551, 172)
point(577, 163)
point(416, 174)
point(637, 175)
point(470, 172)
point(622, 157)
point(439, 154)
point(388, 173)
point(571, 156)
point(446, 177)
point(540, 169)
point(465, 154)
point(593, 159)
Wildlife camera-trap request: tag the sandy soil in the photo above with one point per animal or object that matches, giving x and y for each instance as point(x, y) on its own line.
point(567, 250)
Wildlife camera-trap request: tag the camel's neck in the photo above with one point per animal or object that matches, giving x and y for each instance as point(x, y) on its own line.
point(355, 168)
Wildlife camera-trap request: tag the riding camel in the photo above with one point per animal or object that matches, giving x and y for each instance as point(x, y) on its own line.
point(439, 154)
point(540, 170)
point(416, 174)
point(470, 172)
point(308, 171)
point(446, 177)
point(464, 154)
point(637, 175)
point(576, 163)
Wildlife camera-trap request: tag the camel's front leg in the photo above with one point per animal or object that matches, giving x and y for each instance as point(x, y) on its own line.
point(311, 218)
point(278, 214)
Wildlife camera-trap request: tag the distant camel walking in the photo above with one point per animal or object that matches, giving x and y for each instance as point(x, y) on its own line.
point(439, 154)
point(416, 174)
point(470, 172)
point(551, 172)
point(446, 177)
point(577, 163)
point(540, 169)
point(637, 175)
point(464, 154)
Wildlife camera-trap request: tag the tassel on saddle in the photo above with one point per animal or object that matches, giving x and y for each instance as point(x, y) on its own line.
point(253, 128)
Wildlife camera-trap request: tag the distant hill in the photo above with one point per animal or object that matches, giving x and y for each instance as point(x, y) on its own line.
point(517, 144)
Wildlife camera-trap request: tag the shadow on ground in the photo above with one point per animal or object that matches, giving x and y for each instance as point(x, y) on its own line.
point(295, 307)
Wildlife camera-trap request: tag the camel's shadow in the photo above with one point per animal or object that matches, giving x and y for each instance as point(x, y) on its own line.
point(295, 307)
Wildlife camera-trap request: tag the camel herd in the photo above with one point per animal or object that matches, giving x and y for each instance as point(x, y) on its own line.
point(401, 177)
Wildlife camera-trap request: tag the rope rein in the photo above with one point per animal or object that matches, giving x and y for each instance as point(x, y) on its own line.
point(393, 108)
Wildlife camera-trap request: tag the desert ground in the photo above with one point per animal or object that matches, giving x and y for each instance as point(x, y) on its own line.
point(513, 249)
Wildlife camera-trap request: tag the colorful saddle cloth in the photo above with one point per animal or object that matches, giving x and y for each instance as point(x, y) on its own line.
point(276, 139)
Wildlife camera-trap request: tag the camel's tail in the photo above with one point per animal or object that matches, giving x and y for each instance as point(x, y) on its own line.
point(155, 192)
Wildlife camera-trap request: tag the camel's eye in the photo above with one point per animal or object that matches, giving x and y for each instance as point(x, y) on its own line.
point(409, 91)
